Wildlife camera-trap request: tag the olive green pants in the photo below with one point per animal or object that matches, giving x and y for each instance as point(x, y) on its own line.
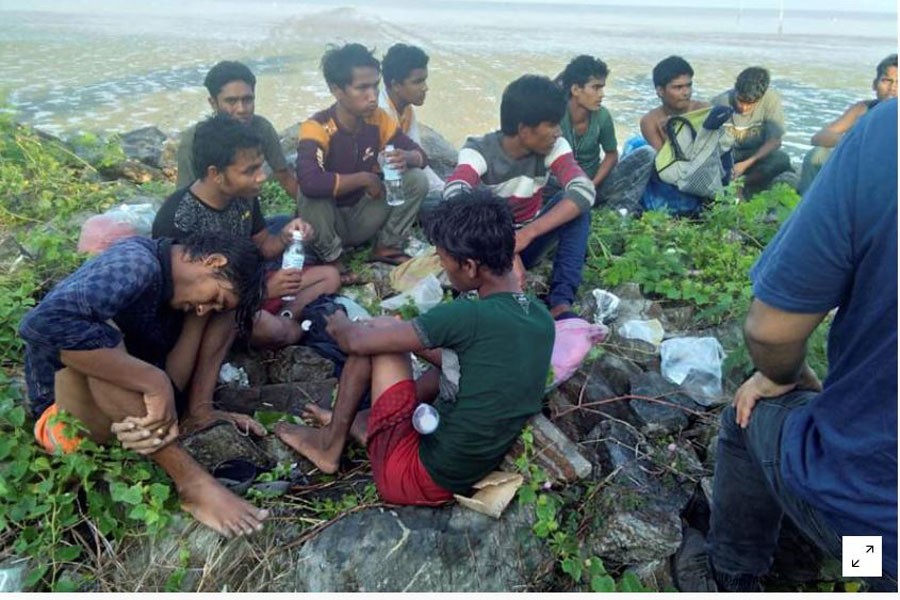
point(339, 227)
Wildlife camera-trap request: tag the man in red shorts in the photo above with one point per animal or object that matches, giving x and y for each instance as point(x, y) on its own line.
point(491, 356)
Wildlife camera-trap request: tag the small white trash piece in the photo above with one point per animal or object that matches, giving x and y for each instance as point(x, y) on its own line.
point(228, 373)
point(427, 294)
point(696, 364)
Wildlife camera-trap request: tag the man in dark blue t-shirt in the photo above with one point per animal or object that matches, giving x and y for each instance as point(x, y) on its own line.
point(824, 455)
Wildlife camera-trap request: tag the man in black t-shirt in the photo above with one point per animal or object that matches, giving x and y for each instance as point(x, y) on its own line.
point(225, 198)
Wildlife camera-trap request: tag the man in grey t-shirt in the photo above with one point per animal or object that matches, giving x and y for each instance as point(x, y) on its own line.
point(231, 88)
point(758, 126)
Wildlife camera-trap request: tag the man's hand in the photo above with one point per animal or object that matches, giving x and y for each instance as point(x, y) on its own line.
point(338, 326)
point(374, 188)
point(245, 424)
point(741, 167)
point(147, 434)
point(284, 282)
point(396, 159)
point(523, 239)
point(296, 225)
point(759, 386)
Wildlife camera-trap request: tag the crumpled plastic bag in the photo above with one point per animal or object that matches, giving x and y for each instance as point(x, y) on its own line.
point(695, 364)
point(574, 339)
point(406, 276)
point(355, 312)
point(650, 331)
point(607, 306)
point(426, 294)
point(126, 220)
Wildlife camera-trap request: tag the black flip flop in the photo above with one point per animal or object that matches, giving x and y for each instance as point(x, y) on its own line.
point(236, 474)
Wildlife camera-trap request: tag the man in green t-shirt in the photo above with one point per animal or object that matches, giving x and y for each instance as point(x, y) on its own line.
point(492, 353)
point(232, 91)
point(588, 127)
point(757, 126)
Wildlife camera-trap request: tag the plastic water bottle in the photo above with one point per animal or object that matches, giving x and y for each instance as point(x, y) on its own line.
point(293, 257)
point(425, 419)
point(393, 181)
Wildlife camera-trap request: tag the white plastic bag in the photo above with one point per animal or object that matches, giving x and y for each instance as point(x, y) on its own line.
point(696, 364)
point(648, 331)
point(427, 294)
point(355, 312)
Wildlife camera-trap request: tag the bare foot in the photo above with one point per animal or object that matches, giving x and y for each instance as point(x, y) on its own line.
point(310, 442)
point(212, 504)
point(320, 417)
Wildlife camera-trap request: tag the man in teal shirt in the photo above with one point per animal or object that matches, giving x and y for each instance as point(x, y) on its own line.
point(588, 127)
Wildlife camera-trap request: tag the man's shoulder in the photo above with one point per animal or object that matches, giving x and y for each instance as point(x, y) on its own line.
point(654, 115)
point(262, 126)
point(489, 142)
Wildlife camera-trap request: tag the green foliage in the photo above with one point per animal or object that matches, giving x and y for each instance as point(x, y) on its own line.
point(100, 152)
point(558, 524)
point(275, 201)
point(49, 504)
point(704, 263)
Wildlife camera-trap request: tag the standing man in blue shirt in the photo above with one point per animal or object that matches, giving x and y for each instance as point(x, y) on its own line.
point(825, 455)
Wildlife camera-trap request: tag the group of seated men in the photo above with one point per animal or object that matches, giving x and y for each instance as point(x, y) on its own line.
point(131, 343)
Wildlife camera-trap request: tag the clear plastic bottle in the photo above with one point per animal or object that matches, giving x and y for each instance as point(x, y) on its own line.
point(293, 257)
point(393, 181)
point(425, 419)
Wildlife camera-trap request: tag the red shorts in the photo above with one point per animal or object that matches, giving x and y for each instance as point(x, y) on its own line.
point(393, 446)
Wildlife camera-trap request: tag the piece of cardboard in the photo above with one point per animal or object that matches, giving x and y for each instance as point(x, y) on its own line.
point(494, 493)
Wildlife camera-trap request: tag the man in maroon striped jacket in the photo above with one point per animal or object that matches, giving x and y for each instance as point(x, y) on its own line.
point(514, 163)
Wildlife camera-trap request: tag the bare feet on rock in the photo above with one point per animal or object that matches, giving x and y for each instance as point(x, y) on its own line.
point(311, 443)
point(212, 504)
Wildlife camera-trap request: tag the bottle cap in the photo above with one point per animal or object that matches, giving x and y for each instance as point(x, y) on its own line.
point(297, 235)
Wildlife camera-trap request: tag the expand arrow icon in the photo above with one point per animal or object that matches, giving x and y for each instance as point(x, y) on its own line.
point(854, 563)
point(870, 549)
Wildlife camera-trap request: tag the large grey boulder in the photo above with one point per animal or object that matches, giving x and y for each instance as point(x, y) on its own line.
point(419, 550)
point(144, 145)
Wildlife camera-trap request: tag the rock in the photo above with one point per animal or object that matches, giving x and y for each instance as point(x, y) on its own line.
point(144, 145)
point(12, 255)
point(655, 575)
point(221, 442)
point(678, 318)
point(442, 155)
point(637, 518)
point(133, 171)
point(669, 414)
point(592, 392)
point(280, 397)
point(616, 371)
point(297, 363)
point(289, 138)
point(553, 451)
point(12, 574)
point(419, 550)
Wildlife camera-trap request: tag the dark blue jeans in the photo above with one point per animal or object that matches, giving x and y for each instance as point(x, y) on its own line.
point(571, 249)
point(750, 497)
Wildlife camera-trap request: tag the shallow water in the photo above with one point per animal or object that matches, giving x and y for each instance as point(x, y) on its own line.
point(102, 65)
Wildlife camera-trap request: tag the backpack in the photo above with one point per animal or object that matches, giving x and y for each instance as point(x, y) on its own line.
point(691, 157)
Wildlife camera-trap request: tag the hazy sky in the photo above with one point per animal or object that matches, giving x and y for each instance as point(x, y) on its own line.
point(843, 5)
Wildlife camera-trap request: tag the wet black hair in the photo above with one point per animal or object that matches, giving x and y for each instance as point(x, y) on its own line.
point(531, 100)
point(217, 141)
point(224, 73)
point(751, 84)
point(244, 269)
point(400, 61)
point(580, 70)
point(477, 225)
point(338, 63)
point(669, 68)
